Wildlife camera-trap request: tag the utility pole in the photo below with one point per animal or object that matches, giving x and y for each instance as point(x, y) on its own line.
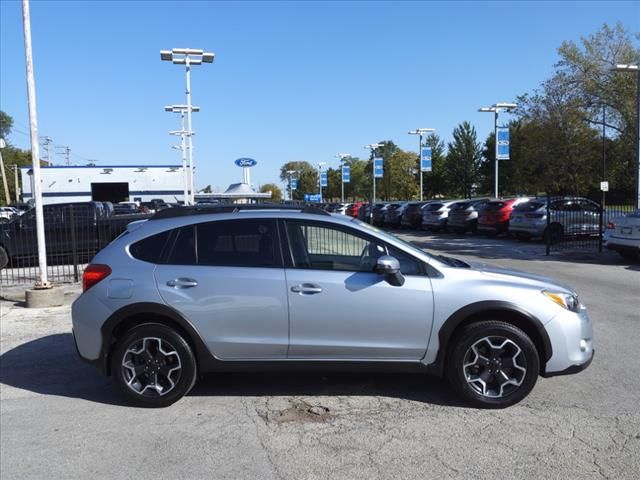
point(420, 132)
point(188, 57)
point(43, 281)
point(2, 172)
point(66, 151)
point(496, 109)
point(15, 173)
point(342, 157)
point(188, 184)
point(320, 165)
point(373, 147)
point(47, 146)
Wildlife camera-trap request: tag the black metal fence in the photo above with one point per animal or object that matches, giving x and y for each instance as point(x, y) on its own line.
point(74, 234)
point(579, 223)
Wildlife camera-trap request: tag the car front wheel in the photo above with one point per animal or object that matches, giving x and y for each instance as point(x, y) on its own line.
point(153, 365)
point(493, 364)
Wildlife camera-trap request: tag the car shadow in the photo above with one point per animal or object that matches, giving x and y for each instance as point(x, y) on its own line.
point(50, 366)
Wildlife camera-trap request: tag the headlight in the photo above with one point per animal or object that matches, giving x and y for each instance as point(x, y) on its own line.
point(565, 300)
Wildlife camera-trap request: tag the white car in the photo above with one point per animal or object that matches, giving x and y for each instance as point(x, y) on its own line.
point(623, 235)
point(7, 213)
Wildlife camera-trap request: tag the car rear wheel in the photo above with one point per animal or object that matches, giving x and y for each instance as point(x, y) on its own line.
point(153, 365)
point(522, 236)
point(493, 364)
point(553, 233)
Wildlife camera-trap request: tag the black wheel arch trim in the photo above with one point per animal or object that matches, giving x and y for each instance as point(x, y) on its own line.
point(201, 352)
point(476, 310)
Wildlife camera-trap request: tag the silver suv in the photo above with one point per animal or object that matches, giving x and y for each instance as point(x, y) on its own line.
point(196, 290)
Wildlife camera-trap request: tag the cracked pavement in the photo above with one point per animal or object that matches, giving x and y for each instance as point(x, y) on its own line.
point(60, 419)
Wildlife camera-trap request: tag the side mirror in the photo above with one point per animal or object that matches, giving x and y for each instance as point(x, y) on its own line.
point(390, 268)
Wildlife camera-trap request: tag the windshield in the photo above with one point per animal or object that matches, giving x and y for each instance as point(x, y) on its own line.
point(432, 207)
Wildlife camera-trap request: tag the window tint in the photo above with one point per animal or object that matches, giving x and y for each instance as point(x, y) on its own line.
point(183, 251)
point(432, 207)
point(243, 243)
point(530, 206)
point(588, 206)
point(150, 248)
point(324, 247)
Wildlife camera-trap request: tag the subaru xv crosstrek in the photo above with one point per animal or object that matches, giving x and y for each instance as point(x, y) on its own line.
point(196, 290)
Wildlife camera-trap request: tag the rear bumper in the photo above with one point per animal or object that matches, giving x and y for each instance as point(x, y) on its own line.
point(535, 230)
point(493, 227)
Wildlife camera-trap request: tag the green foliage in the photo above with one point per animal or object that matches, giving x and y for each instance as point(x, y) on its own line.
point(306, 174)
point(276, 192)
point(6, 123)
point(435, 182)
point(463, 160)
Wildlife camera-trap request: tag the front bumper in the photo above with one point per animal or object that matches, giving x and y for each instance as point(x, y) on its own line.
point(571, 336)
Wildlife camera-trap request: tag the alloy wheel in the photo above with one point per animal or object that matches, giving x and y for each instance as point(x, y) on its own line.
point(494, 366)
point(151, 366)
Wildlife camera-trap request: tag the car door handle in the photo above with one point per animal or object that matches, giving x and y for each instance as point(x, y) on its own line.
point(306, 289)
point(182, 283)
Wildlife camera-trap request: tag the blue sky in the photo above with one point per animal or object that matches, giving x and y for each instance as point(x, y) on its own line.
point(291, 80)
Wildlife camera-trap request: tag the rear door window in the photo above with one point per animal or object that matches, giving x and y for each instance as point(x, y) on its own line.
point(149, 249)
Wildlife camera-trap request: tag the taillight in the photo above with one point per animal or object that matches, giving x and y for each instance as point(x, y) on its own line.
point(611, 226)
point(93, 274)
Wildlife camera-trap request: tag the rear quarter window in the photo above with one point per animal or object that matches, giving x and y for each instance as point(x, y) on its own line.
point(149, 249)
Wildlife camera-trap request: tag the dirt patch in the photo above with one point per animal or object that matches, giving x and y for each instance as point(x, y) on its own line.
point(299, 412)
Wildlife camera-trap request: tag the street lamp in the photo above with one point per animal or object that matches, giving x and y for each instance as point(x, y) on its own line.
point(342, 157)
point(320, 165)
point(289, 174)
point(188, 57)
point(372, 148)
point(634, 69)
point(496, 109)
point(182, 109)
point(420, 132)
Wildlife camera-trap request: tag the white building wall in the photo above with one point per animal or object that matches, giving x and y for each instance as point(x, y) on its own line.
point(73, 183)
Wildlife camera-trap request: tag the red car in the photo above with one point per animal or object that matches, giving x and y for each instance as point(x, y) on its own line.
point(353, 209)
point(494, 216)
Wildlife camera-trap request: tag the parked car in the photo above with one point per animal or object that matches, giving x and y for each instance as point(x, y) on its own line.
point(82, 227)
point(463, 216)
point(623, 235)
point(7, 213)
point(363, 212)
point(569, 216)
point(181, 295)
point(435, 215)
point(393, 215)
point(378, 212)
point(412, 215)
point(341, 208)
point(494, 215)
point(125, 208)
point(353, 210)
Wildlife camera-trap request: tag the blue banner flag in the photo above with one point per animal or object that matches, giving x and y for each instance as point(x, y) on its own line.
point(294, 183)
point(425, 159)
point(503, 143)
point(346, 174)
point(312, 197)
point(323, 179)
point(378, 167)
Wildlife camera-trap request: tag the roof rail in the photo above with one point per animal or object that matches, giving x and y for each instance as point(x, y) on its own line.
point(213, 209)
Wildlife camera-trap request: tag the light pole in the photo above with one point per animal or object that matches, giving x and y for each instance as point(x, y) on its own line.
point(188, 57)
point(496, 109)
point(289, 174)
point(635, 69)
point(182, 109)
point(372, 148)
point(320, 165)
point(342, 157)
point(421, 132)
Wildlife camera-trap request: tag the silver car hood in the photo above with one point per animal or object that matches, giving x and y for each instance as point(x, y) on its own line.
point(519, 276)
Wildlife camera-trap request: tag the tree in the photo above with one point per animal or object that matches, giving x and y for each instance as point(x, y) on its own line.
point(306, 175)
point(463, 160)
point(435, 182)
point(276, 193)
point(6, 123)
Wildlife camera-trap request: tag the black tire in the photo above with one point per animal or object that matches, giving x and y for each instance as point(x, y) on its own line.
point(523, 237)
point(183, 382)
point(459, 231)
point(4, 258)
point(626, 254)
point(496, 331)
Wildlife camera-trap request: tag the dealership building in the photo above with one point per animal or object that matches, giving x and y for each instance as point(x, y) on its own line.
point(106, 183)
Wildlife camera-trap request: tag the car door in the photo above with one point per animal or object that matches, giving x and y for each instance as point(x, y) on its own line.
point(227, 279)
point(339, 309)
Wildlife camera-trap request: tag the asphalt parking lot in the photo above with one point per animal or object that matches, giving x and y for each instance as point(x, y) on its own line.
point(60, 419)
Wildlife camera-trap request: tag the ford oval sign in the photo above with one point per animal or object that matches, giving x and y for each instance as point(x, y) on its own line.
point(245, 162)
